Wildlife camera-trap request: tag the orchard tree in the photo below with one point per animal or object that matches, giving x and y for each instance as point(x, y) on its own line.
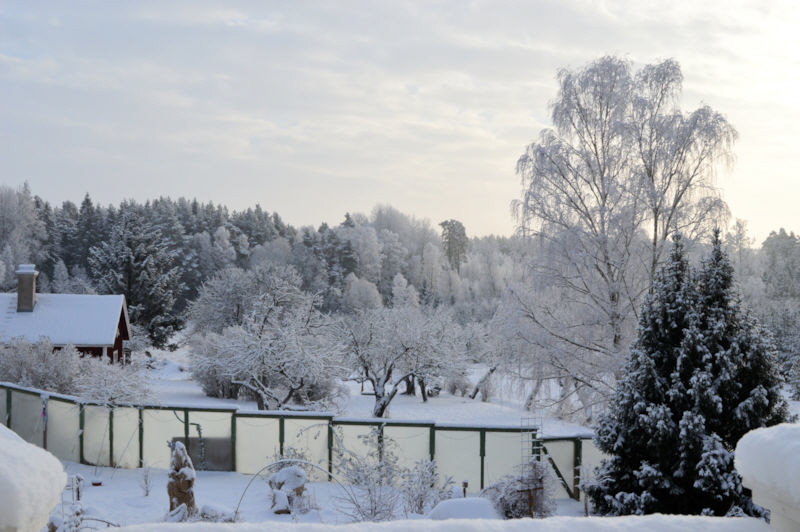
point(259, 331)
point(699, 376)
point(387, 347)
point(622, 170)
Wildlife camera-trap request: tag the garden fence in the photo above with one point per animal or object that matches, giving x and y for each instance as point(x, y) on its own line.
point(228, 439)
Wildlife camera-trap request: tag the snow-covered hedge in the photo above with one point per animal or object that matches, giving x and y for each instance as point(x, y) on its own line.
point(31, 481)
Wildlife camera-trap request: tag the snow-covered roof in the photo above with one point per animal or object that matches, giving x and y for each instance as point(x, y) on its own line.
point(80, 320)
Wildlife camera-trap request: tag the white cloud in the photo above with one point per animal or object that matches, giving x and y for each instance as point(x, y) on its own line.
point(317, 109)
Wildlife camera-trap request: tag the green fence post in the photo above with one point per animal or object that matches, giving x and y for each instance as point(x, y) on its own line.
point(186, 428)
point(483, 456)
point(380, 441)
point(233, 441)
point(110, 437)
point(330, 449)
point(8, 408)
point(432, 443)
point(141, 437)
point(281, 434)
point(577, 461)
point(81, 428)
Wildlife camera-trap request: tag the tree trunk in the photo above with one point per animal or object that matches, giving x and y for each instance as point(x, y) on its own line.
point(422, 390)
point(481, 382)
point(409, 383)
point(530, 401)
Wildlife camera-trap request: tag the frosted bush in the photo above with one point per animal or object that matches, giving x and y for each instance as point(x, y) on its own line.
point(38, 365)
point(422, 488)
point(372, 494)
point(531, 494)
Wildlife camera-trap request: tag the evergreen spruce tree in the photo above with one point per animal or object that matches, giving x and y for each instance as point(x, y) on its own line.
point(138, 262)
point(699, 376)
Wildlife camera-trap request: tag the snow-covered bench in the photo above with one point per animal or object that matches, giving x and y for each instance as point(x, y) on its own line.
point(769, 462)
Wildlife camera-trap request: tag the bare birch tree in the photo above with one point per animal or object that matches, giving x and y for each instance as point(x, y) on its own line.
point(622, 169)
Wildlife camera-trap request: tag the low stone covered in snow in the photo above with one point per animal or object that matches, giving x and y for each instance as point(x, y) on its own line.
point(31, 482)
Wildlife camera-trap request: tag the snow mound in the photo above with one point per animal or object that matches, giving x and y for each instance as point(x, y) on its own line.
point(464, 508)
point(768, 457)
point(31, 482)
point(650, 523)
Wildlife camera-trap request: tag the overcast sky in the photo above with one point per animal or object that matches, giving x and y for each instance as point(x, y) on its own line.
point(314, 109)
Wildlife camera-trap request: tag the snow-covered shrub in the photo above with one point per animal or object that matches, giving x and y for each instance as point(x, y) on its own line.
point(422, 488)
point(531, 494)
point(66, 371)
point(146, 480)
point(372, 494)
point(36, 365)
point(112, 384)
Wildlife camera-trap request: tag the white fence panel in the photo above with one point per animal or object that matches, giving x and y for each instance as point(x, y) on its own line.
point(503, 455)
point(458, 456)
point(96, 434)
point(63, 429)
point(26, 417)
point(310, 436)
point(562, 451)
point(126, 437)
point(413, 443)
point(160, 427)
point(257, 442)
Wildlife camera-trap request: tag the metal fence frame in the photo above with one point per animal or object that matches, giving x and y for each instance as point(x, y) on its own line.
point(18, 398)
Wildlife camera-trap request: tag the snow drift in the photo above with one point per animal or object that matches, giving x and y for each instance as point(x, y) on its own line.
point(31, 481)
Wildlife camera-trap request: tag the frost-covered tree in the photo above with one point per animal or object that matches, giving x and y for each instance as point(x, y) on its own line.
point(21, 231)
point(699, 376)
point(622, 169)
point(138, 262)
point(360, 294)
point(386, 347)
point(277, 345)
point(454, 243)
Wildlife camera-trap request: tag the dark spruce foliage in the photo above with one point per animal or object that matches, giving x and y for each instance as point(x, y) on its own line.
point(699, 376)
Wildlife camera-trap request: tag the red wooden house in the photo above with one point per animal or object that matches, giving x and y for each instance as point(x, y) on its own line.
point(95, 325)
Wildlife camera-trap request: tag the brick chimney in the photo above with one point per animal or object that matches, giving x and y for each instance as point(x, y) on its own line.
point(26, 287)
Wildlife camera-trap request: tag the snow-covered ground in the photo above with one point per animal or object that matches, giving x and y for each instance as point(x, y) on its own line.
point(121, 499)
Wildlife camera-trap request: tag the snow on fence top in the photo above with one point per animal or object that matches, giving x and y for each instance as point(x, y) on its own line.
point(769, 457)
point(31, 481)
point(650, 523)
